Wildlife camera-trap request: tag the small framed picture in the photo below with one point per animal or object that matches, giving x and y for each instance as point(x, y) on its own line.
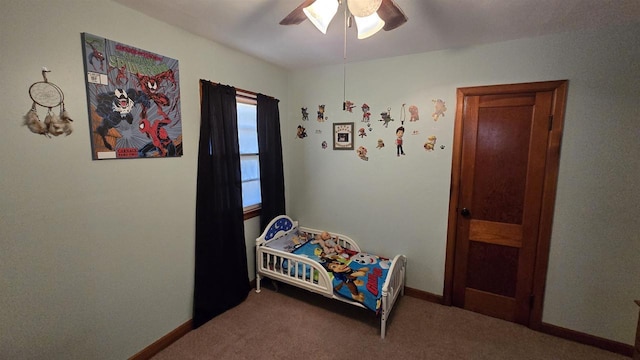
point(343, 136)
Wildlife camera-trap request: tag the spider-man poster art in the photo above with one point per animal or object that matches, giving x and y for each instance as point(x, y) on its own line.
point(133, 97)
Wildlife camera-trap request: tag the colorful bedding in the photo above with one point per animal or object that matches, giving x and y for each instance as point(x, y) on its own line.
point(355, 275)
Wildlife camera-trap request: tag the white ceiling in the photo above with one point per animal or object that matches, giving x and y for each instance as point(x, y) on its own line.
point(251, 26)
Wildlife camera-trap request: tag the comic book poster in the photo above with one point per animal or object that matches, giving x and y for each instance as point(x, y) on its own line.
point(133, 97)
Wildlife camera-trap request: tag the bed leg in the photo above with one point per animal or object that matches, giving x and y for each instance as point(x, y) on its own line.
point(257, 283)
point(383, 316)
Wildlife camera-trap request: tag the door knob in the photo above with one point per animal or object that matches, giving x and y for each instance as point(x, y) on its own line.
point(465, 212)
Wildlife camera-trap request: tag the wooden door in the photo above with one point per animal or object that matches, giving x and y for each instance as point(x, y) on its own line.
point(502, 201)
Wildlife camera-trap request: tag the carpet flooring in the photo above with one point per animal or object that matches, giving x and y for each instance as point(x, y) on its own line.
point(295, 324)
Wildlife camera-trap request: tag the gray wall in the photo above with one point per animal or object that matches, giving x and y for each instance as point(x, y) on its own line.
point(97, 257)
point(392, 204)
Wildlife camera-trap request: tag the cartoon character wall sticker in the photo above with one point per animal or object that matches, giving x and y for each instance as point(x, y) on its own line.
point(321, 117)
point(413, 111)
point(408, 116)
point(301, 132)
point(348, 106)
point(440, 108)
point(362, 153)
point(366, 115)
point(431, 143)
point(386, 117)
point(399, 134)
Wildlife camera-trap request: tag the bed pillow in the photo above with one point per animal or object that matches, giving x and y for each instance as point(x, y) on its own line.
point(287, 242)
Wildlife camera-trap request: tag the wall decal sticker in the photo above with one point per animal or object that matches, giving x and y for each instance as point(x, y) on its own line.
point(403, 114)
point(362, 153)
point(399, 134)
point(380, 144)
point(305, 114)
point(386, 117)
point(301, 132)
point(348, 106)
point(324, 145)
point(362, 132)
point(440, 108)
point(431, 143)
point(413, 110)
point(366, 115)
point(321, 117)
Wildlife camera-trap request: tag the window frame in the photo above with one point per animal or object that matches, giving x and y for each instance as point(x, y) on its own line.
point(248, 98)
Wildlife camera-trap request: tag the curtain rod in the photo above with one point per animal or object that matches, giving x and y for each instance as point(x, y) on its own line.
point(243, 91)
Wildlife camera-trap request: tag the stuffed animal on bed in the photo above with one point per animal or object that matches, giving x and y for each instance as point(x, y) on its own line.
point(328, 244)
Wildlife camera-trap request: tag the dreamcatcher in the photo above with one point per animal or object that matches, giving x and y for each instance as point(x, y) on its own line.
point(47, 95)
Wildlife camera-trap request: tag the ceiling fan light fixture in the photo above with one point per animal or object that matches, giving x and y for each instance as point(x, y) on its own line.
point(368, 25)
point(321, 12)
point(363, 8)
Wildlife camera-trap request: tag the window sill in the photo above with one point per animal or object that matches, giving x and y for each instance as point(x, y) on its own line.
point(251, 212)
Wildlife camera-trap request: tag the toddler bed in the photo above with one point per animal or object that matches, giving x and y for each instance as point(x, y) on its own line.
point(329, 264)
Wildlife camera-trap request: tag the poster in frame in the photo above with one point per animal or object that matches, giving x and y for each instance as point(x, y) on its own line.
point(343, 136)
point(133, 99)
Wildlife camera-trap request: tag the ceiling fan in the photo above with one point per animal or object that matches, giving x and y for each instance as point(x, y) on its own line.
point(370, 15)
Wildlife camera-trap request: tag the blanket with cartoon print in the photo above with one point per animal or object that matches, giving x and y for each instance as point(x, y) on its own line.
point(357, 276)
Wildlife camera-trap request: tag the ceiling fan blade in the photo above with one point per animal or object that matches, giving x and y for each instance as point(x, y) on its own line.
point(391, 14)
point(297, 15)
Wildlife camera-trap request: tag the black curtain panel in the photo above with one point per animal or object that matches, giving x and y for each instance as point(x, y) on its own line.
point(270, 147)
point(221, 276)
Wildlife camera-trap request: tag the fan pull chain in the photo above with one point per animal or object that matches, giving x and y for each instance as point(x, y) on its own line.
point(344, 61)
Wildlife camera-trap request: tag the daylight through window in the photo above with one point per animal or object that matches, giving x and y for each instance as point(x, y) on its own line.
point(249, 158)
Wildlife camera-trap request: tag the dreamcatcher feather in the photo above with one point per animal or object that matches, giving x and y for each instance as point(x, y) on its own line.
point(48, 95)
point(33, 122)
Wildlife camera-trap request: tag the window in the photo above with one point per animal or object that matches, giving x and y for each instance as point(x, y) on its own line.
point(249, 153)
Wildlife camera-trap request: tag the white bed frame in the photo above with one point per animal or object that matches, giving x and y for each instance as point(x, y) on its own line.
point(269, 263)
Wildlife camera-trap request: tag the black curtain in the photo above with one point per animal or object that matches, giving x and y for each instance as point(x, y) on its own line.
point(270, 147)
point(221, 276)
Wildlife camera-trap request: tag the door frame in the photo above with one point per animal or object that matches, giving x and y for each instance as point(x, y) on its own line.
point(559, 89)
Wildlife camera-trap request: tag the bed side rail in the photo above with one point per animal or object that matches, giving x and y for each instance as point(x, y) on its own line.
point(293, 269)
